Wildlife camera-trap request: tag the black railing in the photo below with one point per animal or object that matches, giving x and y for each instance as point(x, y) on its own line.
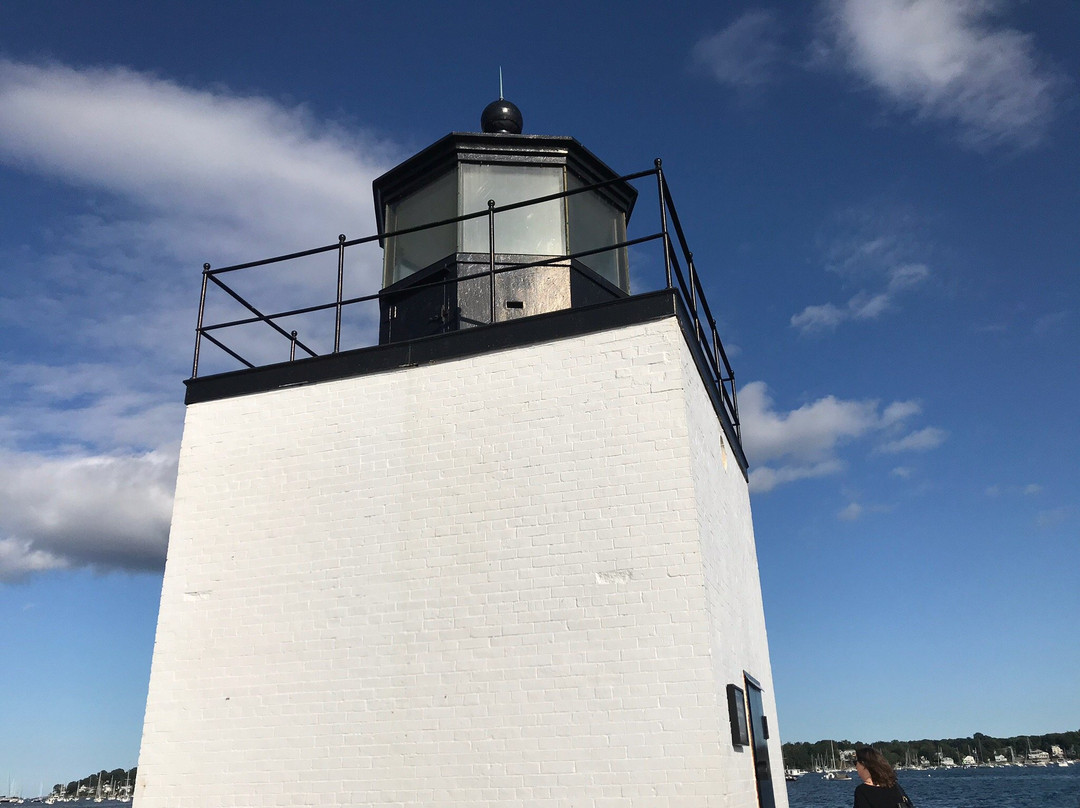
point(687, 284)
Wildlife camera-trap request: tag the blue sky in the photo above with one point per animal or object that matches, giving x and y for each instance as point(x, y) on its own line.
point(883, 198)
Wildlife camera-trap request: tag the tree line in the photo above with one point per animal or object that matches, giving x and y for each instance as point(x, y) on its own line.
point(983, 748)
point(109, 782)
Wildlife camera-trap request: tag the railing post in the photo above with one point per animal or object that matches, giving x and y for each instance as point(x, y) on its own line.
point(693, 294)
point(292, 346)
point(491, 254)
point(735, 407)
point(716, 352)
point(666, 241)
point(198, 325)
point(340, 282)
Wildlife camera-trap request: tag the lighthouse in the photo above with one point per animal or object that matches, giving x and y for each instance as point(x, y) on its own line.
point(501, 556)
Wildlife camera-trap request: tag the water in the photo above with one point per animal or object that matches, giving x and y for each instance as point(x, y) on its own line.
point(1007, 787)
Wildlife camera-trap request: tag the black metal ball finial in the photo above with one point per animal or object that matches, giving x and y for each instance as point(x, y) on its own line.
point(501, 116)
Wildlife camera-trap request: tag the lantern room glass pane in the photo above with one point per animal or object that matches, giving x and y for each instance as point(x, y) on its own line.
point(595, 223)
point(414, 251)
point(531, 230)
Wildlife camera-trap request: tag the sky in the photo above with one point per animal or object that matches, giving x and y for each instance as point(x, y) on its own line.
point(883, 200)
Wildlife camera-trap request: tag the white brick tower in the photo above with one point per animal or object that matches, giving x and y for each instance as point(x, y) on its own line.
point(504, 558)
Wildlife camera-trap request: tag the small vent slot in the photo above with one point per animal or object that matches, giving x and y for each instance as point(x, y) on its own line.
point(515, 304)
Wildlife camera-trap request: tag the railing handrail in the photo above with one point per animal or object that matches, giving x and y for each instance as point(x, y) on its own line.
point(432, 225)
point(686, 284)
point(513, 267)
point(694, 295)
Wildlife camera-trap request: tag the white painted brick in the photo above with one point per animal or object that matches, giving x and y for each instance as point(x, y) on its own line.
point(521, 578)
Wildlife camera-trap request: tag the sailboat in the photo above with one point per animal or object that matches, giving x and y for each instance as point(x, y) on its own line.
point(835, 773)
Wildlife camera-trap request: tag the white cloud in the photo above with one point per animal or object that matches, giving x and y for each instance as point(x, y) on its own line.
point(880, 250)
point(98, 308)
point(92, 406)
point(854, 511)
point(189, 175)
point(819, 318)
point(851, 512)
point(906, 276)
point(900, 410)
point(1053, 324)
point(919, 441)
point(1029, 490)
point(863, 305)
point(1053, 517)
point(223, 174)
point(766, 478)
point(947, 60)
point(744, 54)
point(809, 432)
point(18, 559)
point(903, 472)
point(108, 512)
point(801, 444)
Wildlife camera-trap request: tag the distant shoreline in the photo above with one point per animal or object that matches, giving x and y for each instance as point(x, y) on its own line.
point(1062, 748)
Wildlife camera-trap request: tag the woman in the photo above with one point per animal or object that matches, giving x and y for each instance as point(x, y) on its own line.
point(879, 788)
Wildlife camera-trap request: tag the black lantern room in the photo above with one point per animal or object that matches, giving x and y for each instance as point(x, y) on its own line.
point(458, 261)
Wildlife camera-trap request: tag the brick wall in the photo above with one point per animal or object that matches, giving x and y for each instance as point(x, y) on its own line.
point(518, 579)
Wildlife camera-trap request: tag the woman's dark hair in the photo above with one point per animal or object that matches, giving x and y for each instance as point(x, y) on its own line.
point(881, 771)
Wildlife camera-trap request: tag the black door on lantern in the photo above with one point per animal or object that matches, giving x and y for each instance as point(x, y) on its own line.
point(759, 742)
